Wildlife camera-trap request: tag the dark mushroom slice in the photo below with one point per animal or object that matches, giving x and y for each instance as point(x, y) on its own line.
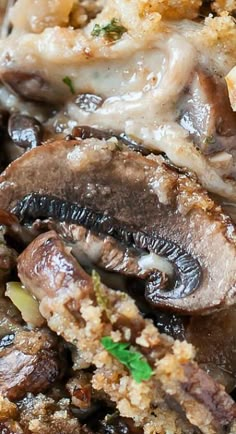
point(7, 254)
point(25, 131)
point(188, 270)
point(143, 194)
point(30, 86)
point(4, 115)
point(86, 132)
point(89, 102)
point(208, 115)
point(105, 251)
point(30, 361)
point(214, 337)
point(65, 293)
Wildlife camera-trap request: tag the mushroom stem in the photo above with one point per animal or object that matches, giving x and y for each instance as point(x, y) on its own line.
point(187, 269)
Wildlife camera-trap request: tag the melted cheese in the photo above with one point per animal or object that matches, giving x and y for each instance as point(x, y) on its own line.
point(141, 76)
point(155, 262)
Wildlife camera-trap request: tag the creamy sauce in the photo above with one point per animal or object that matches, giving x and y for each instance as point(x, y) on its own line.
point(141, 78)
point(155, 262)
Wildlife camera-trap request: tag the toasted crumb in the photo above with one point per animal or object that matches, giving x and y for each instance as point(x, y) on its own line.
point(8, 410)
point(224, 5)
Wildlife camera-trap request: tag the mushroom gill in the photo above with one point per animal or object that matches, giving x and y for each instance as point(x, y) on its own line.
point(140, 201)
point(67, 299)
point(188, 270)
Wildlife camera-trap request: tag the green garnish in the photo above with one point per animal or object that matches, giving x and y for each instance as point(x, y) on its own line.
point(26, 303)
point(102, 300)
point(133, 360)
point(111, 31)
point(209, 140)
point(67, 80)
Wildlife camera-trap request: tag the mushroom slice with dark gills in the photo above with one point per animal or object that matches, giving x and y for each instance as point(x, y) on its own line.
point(38, 206)
point(154, 203)
point(71, 305)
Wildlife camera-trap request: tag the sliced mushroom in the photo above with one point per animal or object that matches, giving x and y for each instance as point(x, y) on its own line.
point(107, 253)
point(144, 196)
point(68, 301)
point(30, 86)
point(25, 370)
point(7, 254)
point(30, 361)
point(25, 131)
point(208, 115)
point(214, 337)
point(188, 270)
point(86, 132)
point(89, 102)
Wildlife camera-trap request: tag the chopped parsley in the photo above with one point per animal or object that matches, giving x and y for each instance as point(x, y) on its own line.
point(209, 140)
point(133, 360)
point(111, 31)
point(67, 80)
point(102, 300)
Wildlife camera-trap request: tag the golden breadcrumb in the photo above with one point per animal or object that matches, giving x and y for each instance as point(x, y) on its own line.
point(221, 30)
point(217, 40)
point(8, 410)
point(171, 9)
point(224, 5)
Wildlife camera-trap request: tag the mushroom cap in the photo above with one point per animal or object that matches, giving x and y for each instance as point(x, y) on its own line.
point(144, 193)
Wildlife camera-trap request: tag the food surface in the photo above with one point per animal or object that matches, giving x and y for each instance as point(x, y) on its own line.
point(117, 217)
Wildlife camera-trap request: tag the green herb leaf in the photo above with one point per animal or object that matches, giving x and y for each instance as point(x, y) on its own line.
point(102, 300)
point(210, 140)
point(111, 31)
point(133, 360)
point(67, 80)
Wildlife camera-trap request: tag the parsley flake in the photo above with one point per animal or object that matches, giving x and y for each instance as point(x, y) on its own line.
point(133, 360)
point(210, 140)
point(97, 287)
point(67, 80)
point(111, 31)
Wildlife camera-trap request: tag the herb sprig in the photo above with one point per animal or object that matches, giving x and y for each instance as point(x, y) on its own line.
point(111, 31)
point(101, 298)
point(67, 80)
point(133, 360)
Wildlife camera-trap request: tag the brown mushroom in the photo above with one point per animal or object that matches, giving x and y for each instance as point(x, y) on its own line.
point(65, 291)
point(207, 114)
point(142, 194)
point(25, 131)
